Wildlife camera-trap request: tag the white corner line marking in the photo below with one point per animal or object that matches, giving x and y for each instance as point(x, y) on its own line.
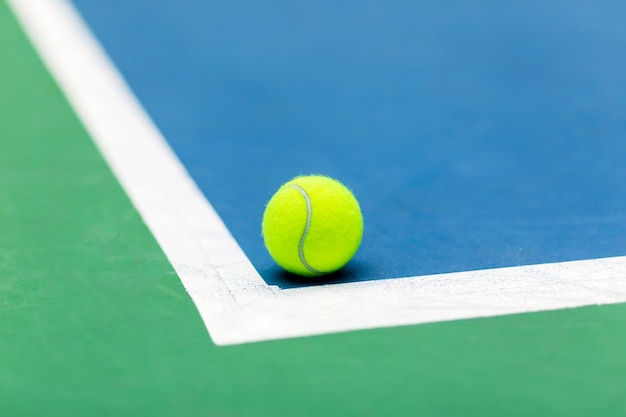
point(235, 303)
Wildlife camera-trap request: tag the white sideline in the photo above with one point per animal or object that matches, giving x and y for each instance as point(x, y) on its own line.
point(235, 303)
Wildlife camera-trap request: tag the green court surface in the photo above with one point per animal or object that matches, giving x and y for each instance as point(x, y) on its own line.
point(94, 320)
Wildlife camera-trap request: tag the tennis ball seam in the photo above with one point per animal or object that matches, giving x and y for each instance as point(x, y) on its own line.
point(309, 212)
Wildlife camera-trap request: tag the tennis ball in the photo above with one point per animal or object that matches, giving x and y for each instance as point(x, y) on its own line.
point(312, 225)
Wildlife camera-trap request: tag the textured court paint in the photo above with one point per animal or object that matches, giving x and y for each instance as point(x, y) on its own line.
point(235, 303)
point(212, 267)
point(93, 320)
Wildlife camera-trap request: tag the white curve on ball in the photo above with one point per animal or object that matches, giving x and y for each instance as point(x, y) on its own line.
point(309, 212)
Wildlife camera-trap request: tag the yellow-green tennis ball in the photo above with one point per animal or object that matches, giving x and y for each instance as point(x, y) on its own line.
point(312, 225)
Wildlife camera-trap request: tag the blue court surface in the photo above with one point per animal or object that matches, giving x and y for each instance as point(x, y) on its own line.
point(474, 135)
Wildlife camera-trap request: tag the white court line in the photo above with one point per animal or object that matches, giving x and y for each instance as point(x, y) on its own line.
point(235, 303)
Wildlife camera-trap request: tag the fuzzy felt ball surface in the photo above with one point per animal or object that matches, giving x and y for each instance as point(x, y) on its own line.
point(313, 225)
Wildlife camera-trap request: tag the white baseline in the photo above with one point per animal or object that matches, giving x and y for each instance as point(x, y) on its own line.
point(235, 303)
